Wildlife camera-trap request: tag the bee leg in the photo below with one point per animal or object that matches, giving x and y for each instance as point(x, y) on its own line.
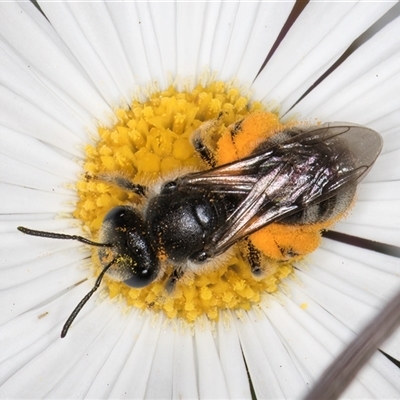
point(288, 252)
point(171, 282)
point(123, 183)
point(253, 257)
point(202, 139)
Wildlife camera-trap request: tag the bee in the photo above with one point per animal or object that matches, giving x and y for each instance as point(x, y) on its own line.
point(297, 177)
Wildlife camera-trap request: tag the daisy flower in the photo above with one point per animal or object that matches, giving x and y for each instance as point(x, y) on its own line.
point(85, 83)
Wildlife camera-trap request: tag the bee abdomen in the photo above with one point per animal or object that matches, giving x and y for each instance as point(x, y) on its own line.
point(325, 210)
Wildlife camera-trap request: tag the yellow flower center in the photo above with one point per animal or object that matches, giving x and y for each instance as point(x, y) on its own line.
point(152, 139)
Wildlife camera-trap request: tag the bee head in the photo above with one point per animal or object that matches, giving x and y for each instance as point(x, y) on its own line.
point(134, 258)
point(125, 253)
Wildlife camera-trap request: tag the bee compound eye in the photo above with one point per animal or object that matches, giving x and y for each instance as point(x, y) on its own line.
point(141, 277)
point(145, 265)
point(115, 214)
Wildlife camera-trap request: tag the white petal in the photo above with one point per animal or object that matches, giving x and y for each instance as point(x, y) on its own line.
point(378, 221)
point(190, 19)
point(310, 344)
point(142, 37)
point(16, 199)
point(88, 31)
point(42, 222)
point(159, 384)
point(24, 81)
point(231, 356)
point(18, 173)
point(386, 168)
point(78, 379)
point(370, 97)
point(45, 370)
point(14, 275)
point(350, 300)
point(377, 191)
point(34, 247)
point(380, 376)
point(272, 370)
point(237, 37)
point(19, 299)
point(253, 37)
point(185, 383)
point(388, 127)
point(361, 79)
point(373, 213)
point(161, 52)
point(218, 24)
point(22, 116)
point(318, 37)
point(49, 58)
point(211, 377)
point(369, 270)
point(133, 378)
point(307, 353)
point(391, 346)
point(20, 344)
point(110, 370)
point(25, 149)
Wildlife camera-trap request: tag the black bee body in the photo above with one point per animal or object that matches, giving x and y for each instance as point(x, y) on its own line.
point(180, 220)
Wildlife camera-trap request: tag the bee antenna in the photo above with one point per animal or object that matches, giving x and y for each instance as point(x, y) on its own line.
point(84, 301)
point(63, 236)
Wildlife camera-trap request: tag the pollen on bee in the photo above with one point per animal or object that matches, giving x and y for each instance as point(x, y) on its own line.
point(107, 256)
point(240, 140)
point(162, 255)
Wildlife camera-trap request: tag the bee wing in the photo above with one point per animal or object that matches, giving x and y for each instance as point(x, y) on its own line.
point(235, 177)
point(295, 169)
point(362, 143)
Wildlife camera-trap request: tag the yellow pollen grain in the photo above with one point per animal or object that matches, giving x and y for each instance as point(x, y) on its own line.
point(152, 139)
